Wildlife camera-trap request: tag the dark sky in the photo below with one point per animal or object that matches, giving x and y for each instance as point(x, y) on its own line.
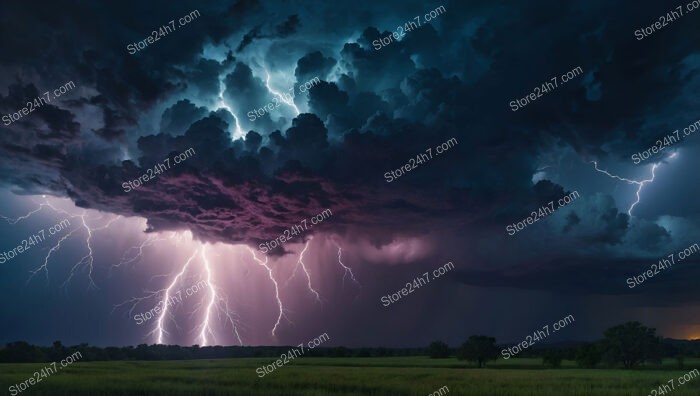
point(370, 109)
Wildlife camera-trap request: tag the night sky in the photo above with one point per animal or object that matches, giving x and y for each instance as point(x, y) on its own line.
point(370, 109)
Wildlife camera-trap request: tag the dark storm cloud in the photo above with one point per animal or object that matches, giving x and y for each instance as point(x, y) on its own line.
point(249, 37)
point(312, 65)
point(288, 27)
point(285, 29)
point(590, 275)
point(387, 105)
point(249, 93)
point(180, 116)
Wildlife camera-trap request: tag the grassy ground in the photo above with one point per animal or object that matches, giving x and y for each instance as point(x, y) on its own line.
point(344, 376)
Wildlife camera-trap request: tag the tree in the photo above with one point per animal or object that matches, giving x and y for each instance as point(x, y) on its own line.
point(552, 358)
point(680, 359)
point(57, 351)
point(438, 350)
point(479, 349)
point(22, 352)
point(631, 344)
point(588, 355)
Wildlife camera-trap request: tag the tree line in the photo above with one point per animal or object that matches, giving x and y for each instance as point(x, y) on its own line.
point(23, 352)
point(628, 345)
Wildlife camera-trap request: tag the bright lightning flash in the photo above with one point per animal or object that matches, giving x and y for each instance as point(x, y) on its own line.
point(277, 290)
point(347, 270)
point(86, 262)
point(223, 105)
point(639, 183)
point(214, 302)
point(300, 264)
point(160, 329)
point(215, 299)
point(289, 103)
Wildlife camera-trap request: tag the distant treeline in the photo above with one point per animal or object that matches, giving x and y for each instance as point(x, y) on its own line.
point(23, 352)
point(629, 345)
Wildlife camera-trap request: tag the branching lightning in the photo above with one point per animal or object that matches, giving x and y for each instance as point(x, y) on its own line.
point(289, 103)
point(300, 264)
point(28, 215)
point(347, 270)
point(639, 183)
point(160, 324)
point(86, 262)
point(210, 308)
point(277, 290)
point(128, 257)
point(214, 300)
point(223, 105)
point(217, 301)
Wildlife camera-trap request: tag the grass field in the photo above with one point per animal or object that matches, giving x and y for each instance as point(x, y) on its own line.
point(344, 376)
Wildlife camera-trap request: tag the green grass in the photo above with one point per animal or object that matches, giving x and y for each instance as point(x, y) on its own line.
point(344, 376)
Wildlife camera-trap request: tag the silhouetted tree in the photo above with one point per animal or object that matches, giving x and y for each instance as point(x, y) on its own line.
point(438, 350)
point(364, 352)
point(22, 352)
point(57, 351)
point(552, 357)
point(680, 360)
point(479, 349)
point(631, 344)
point(589, 355)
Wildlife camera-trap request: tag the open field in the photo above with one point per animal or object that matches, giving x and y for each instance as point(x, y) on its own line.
point(344, 376)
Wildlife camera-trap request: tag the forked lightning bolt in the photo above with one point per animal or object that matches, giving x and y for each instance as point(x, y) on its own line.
point(277, 290)
point(214, 300)
point(206, 327)
point(128, 257)
point(289, 103)
point(15, 221)
point(347, 270)
point(300, 263)
point(640, 183)
point(86, 262)
point(223, 105)
point(160, 324)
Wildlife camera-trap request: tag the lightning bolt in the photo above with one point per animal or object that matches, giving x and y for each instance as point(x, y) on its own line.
point(223, 105)
point(85, 262)
point(277, 290)
point(216, 301)
point(347, 270)
point(639, 183)
point(279, 95)
point(300, 264)
point(206, 327)
point(128, 257)
point(160, 326)
point(45, 267)
point(28, 215)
